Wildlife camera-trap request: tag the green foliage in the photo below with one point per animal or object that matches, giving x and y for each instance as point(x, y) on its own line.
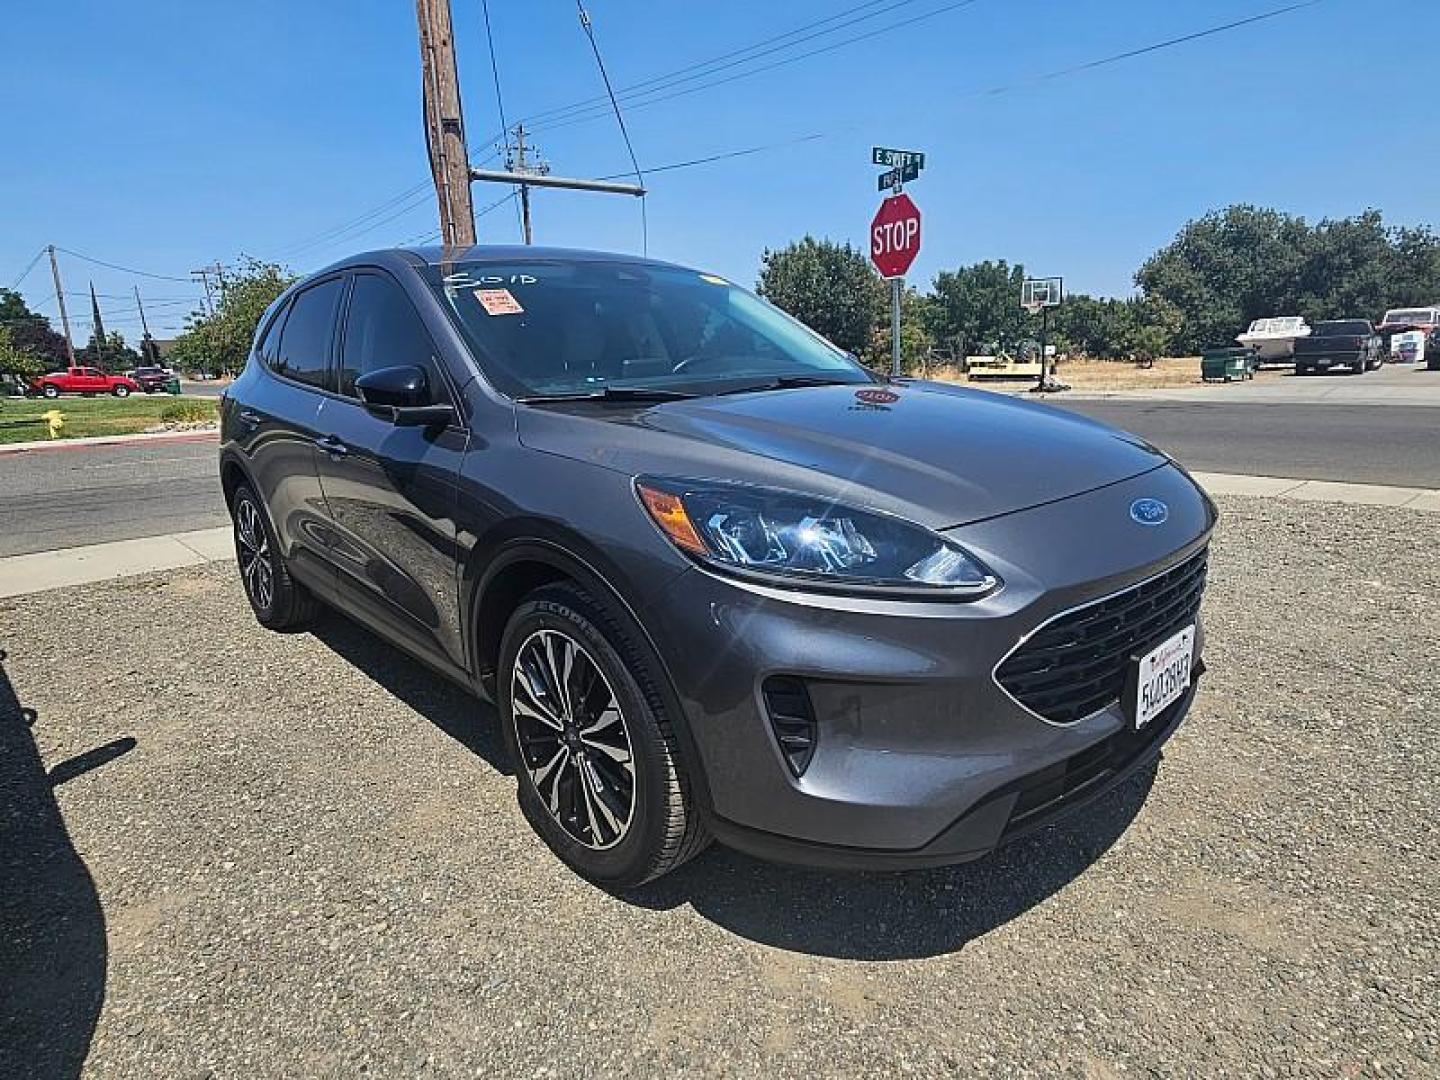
point(221, 342)
point(916, 340)
point(31, 332)
point(113, 356)
point(830, 287)
point(188, 411)
point(979, 305)
point(1232, 266)
point(16, 361)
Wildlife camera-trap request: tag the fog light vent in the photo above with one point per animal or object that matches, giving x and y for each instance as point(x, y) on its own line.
point(792, 720)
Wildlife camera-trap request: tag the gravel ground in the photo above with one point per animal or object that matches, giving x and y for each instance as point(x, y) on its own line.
point(300, 855)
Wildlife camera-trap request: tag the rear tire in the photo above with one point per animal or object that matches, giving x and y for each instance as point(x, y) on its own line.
point(120, 391)
point(569, 756)
point(279, 601)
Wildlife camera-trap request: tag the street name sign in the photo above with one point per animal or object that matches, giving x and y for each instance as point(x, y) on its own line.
point(883, 155)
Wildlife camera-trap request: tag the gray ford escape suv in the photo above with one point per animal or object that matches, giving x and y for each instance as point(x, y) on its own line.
point(719, 579)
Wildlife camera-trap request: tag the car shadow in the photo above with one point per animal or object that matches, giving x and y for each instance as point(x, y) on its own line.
point(53, 952)
point(895, 916)
point(452, 709)
point(875, 916)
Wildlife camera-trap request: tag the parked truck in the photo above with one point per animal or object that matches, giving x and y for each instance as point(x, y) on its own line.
point(83, 380)
point(1347, 343)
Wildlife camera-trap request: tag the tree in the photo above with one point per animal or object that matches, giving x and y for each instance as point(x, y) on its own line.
point(1148, 327)
point(221, 342)
point(830, 287)
point(16, 361)
point(113, 355)
point(916, 341)
point(1233, 266)
point(31, 332)
point(1090, 326)
point(979, 304)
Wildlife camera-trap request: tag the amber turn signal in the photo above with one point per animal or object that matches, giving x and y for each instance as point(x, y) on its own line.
point(668, 511)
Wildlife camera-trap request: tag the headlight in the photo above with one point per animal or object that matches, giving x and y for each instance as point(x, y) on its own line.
point(756, 531)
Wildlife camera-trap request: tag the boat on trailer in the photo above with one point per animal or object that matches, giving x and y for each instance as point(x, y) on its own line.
point(1273, 340)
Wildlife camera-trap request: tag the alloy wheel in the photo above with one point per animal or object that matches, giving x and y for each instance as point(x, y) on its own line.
point(573, 739)
point(253, 545)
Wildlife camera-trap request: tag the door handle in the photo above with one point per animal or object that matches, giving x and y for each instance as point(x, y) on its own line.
point(332, 446)
point(250, 416)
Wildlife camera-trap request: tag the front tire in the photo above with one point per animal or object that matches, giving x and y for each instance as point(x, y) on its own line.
point(50, 390)
point(279, 601)
point(599, 769)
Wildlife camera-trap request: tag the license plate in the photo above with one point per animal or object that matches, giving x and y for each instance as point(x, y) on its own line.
point(1163, 675)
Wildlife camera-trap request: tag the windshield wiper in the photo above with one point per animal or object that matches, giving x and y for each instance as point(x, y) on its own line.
point(611, 393)
point(787, 382)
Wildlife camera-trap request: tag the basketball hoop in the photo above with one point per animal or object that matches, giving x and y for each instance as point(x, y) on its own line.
point(1034, 307)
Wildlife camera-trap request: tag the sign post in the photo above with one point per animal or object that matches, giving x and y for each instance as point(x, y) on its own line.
point(895, 232)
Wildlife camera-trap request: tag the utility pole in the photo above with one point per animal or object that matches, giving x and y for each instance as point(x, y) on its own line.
point(203, 273)
point(144, 326)
point(445, 123)
point(60, 300)
point(519, 165)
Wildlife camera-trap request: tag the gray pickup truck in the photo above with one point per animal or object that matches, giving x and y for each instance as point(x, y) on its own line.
point(1348, 343)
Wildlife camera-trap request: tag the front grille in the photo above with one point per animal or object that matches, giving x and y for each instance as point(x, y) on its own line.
point(1077, 663)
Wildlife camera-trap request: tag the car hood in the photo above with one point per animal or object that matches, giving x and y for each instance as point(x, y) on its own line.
point(938, 454)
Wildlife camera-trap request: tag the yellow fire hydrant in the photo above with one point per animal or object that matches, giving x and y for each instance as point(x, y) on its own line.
point(56, 419)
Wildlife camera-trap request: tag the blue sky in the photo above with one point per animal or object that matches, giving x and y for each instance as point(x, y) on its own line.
point(164, 135)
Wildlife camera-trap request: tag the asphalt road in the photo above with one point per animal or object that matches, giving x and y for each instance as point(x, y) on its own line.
point(1363, 444)
point(72, 496)
point(90, 495)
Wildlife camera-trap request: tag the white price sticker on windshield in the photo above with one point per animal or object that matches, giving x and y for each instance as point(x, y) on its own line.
point(498, 302)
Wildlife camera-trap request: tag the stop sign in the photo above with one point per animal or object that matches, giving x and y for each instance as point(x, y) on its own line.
point(895, 236)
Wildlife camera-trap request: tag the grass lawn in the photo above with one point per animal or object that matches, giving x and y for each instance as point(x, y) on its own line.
point(22, 419)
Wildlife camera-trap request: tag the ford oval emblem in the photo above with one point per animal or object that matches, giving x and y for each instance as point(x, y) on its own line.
point(1149, 511)
point(877, 396)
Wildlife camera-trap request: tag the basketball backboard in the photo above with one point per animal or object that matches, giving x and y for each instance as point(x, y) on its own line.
point(1037, 293)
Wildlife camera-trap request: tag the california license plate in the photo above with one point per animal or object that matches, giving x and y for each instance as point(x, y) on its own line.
point(1163, 675)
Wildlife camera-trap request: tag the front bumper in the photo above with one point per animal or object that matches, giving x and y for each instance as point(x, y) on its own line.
point(920, 757)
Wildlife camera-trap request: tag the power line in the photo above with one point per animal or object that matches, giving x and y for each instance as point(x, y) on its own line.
point(619, 119)
point(122, 269)
point(693, 71)
point(334, 232)
point(28, 267)
point(1129, 54)
point(632, 102)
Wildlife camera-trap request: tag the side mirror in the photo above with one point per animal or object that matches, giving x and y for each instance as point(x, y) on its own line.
point(402, 396)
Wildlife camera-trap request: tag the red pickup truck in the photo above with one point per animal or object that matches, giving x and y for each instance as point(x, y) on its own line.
point(83, 380)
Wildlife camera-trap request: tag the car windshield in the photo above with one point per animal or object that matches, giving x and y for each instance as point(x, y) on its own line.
point(1342, 328)
point(543, 328)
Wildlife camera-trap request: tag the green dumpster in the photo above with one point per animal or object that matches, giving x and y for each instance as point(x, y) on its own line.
point(172, 385)
point(1227, 364)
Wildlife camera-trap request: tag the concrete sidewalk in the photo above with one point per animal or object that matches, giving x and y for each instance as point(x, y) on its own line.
point(38, 572)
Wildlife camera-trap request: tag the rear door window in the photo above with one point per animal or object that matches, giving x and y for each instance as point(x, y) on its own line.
point(304, 350)
point(382, 330)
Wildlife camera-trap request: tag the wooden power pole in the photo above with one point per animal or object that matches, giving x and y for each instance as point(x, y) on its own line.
point(60, 300)
point(445, 124)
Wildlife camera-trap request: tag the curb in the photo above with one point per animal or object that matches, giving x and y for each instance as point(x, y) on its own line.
point(42, 445)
